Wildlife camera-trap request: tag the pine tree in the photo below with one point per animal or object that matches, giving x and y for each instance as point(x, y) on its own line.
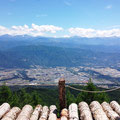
point(70, 98)
point(89, 97)
point(15, 100)
point(24, 98)
point(5, 94)
point(36, 99)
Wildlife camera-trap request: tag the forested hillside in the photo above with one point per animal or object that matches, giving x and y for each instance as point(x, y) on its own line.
point(16, 96)
point(50, 56)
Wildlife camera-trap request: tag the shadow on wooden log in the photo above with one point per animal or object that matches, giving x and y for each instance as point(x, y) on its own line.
point(12, 114)
point(85, 113)
point(25, 113)
point(36, 113)
point(112, 115)
point(44, 114)
point(97, 111)
point(115, 106)
point(53, 113)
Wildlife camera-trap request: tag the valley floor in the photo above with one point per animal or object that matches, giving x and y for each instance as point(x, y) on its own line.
point(103, 77)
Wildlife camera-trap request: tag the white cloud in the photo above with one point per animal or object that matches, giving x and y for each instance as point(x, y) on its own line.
point(34, 30)
point(66, 36)
point(108, 7)
point(46, 28)
point(82, 32)
point(51, 30)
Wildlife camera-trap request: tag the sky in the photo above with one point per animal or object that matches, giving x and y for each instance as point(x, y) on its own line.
point(60, 18)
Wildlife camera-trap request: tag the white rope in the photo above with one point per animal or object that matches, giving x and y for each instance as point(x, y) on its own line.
point(81, 90)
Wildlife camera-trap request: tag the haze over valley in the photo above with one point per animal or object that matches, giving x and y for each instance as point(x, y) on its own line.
point(30, 60)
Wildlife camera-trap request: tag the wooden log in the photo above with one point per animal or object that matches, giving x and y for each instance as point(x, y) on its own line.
point(112, 115)
point(63, 118)
point(73, 112)
point(4, 108)
point(53, 113)
point(62, 100)
point(64, 114)
point(115, 106)
point(85, 113)
point(44, 114)
point(25, 113)
point(36, 113)
point(97, 111)
point(12, 114)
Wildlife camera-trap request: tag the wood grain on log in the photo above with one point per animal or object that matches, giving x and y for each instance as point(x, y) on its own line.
point(12, 114)
point(53, 113)
point(25, 113)
point(44, 114)
point(112, 115)
point(4, 108)
point(97, 111)
point(36, 113)
point(115, 106)
point(85, 113)
point(73, 112)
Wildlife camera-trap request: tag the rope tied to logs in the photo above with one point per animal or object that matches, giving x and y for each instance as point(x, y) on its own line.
point(81, 90)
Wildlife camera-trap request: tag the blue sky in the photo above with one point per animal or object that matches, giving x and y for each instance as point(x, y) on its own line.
point(58, 18)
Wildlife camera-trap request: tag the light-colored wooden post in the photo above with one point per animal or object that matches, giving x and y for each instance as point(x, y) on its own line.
point(44, 114)
point(25, 113)
point(62, 100)
point(115, 106)
point(53, 113)
point(64, 114)
point(112, 115)
point(12, 114)
point(85, 113)
point(73, 112)
point(4, 108)
point(97, 111)
point(36, 113)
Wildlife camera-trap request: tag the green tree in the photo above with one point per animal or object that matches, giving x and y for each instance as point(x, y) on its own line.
point(24, 98)
point(15, 100)
point(89, 97)
point(5, 94)
point(70, 98)
point(36, 99)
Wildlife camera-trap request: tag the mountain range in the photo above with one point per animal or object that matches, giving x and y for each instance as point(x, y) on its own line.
point(25, 51)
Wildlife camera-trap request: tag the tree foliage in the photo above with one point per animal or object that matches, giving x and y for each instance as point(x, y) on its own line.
point(46, 96)
point(70, 98)
point(18, 98)
point(89, 97)
point(5, 94)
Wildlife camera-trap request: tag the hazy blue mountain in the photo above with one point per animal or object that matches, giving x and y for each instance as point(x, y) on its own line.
point(24, 51)
point(7, 41)
point(50, 56)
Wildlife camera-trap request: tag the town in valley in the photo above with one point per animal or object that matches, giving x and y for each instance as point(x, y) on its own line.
point(37, 75)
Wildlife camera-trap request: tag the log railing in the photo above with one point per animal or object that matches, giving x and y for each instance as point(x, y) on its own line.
point(83, 111)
